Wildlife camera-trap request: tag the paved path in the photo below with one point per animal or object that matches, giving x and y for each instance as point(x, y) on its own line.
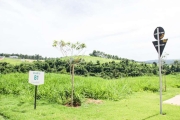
point(174, 101)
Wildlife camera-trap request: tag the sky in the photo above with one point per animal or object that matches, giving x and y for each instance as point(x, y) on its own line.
point(118, 27)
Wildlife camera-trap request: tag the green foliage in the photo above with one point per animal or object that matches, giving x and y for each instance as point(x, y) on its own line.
point(104, 55)
point(68, 48)
point(105, 69)
point(57, 87)
point(11, 61)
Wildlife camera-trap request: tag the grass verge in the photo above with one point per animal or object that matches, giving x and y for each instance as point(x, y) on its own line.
point(139, 106)
point(123, 99)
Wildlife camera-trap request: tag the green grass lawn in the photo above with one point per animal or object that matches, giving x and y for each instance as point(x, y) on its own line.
point(86, 58)
point(139, 106)
point(93, 59)
point(15, 61)
point(137, 101)
point(12, 61)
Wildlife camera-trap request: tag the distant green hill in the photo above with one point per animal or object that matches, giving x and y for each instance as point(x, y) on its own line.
point(101, 67)
point(93, 59)
point(16, 61)
point(170, 61)
point(11, 60)
point(86, 58)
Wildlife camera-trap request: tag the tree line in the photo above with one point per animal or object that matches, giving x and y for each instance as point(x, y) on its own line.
point(22, 56)
point(97, 53)
point(106, 70)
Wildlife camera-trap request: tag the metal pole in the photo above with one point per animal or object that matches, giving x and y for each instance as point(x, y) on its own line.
point(160, 77)
point(35, 94)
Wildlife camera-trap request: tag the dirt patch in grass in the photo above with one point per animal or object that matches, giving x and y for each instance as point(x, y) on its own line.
point(94, 101)
point(88, 101)
point(74, 105)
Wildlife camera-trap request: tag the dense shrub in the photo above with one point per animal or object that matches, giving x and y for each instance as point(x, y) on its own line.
point(57, 88)
point(108, 70)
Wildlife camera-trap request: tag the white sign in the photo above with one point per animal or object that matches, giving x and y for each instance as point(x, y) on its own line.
point(36, 77)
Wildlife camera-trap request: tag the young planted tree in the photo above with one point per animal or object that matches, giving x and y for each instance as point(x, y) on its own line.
point(72, 50)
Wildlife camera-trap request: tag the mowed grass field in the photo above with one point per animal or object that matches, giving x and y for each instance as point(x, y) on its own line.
point(16, 61)
point(86, 58)
point(130, 98)
point(11, 60)
point(92, 58)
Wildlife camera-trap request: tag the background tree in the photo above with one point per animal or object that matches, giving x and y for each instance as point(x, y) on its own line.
point(72, 50)
point(164, 68)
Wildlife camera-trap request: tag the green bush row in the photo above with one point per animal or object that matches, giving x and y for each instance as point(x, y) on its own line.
point(57, 87)
point(108, 70)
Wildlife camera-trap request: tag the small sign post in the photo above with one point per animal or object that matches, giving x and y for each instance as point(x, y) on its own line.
point(36, 78)
point(159, 46)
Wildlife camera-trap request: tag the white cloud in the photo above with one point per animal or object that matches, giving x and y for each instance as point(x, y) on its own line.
point(124, 28)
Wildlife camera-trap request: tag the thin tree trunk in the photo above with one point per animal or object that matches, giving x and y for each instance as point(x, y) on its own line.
point(72, 81)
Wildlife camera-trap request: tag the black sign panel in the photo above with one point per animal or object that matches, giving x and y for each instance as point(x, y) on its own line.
point(161, 33)
point(162, 45)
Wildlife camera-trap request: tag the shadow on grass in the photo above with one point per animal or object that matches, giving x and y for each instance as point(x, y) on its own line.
point(4, 117)
point(150, 117)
